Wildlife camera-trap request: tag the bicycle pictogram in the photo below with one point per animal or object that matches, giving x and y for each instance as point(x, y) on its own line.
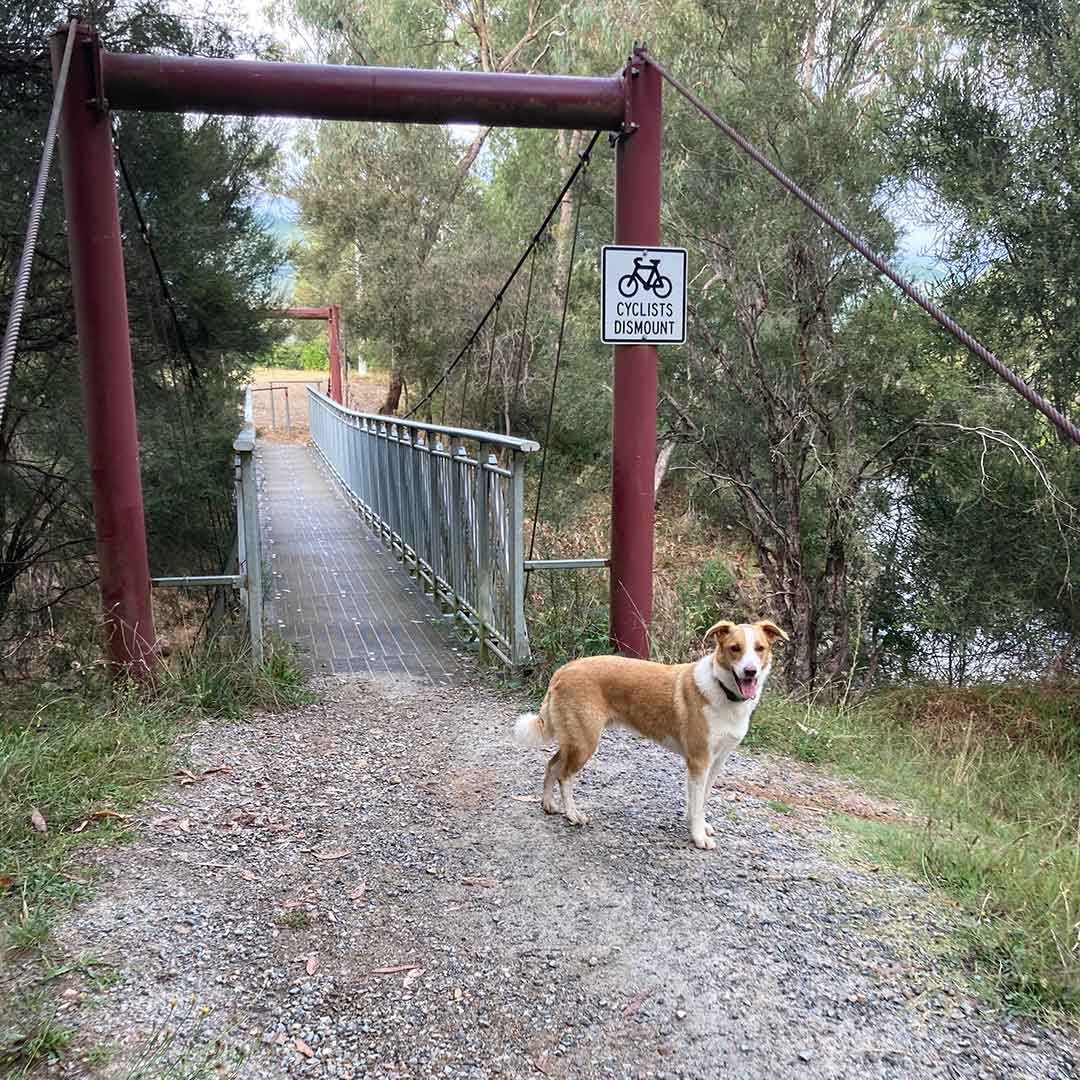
point(646, 275)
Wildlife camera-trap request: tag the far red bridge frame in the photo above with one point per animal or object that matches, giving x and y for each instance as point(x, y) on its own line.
point(628, 104)
point(332, 317)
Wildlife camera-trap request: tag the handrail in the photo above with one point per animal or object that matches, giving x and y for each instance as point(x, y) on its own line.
point(491, 438)
point(453, 514)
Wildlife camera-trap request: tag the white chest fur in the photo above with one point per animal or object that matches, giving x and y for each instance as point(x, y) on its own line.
point(728, 720)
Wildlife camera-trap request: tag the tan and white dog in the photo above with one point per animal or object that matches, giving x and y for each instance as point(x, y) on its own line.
point(699, 710)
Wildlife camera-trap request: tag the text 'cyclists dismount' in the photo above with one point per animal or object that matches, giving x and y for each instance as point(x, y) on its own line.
point(643, 295)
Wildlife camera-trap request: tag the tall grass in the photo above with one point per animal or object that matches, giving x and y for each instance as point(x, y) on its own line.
point(994, 774)
point(75, 759)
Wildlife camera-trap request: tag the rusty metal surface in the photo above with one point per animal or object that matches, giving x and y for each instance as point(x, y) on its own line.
point(633, 452)
point(108, 392)
point(327, 92)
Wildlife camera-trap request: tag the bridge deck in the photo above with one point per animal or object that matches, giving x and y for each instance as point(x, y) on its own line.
point(338, 594)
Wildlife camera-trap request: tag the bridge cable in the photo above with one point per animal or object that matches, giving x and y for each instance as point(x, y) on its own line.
point(973, 345)
point(491, 360)
point(537, 236)
point(554, 381)
point(521, 342)
point(37, 202)
point(465, 390)
point(144, 231)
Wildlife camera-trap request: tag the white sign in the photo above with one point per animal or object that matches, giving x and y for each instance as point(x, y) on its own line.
point(643, 295)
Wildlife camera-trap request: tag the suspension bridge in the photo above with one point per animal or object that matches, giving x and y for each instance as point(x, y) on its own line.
point(444, 503)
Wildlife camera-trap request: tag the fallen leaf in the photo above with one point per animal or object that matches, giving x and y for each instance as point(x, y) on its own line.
point(247, 875)
point(97, 815)
point(184, 824)
point(359, 891)
point(6, 881)
point(486, 882)
point(303, 1048)
point(312, 964)
point(334, 853)
point(217, 769)
point(411, 977)
point(37, 820)
point(637, 1002)
point(82, 825)
point(395, 970)
point(187, 777)
point(524, 798)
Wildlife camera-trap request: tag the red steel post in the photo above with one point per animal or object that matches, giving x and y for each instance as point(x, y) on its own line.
point(108, 391)
point(334, 344)
point(633, 451)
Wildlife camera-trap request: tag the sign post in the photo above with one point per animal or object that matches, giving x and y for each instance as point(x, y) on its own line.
point(633, 410)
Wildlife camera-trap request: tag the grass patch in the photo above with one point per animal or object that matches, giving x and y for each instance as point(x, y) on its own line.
point(995, 772)
point(76, 758)
point(30, 1035)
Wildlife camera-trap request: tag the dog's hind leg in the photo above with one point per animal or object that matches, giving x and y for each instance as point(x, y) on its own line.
point(574, 755)
point(551, 774)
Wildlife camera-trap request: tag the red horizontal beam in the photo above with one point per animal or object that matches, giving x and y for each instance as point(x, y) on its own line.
point(301, 313)
point(325, 92)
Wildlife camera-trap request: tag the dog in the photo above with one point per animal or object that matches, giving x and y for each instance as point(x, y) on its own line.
point(700, 710)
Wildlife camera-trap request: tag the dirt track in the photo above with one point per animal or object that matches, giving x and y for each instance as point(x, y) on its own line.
point(367, 887)
point(364, 395)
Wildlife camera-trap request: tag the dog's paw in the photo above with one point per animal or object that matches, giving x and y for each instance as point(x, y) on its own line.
point(705, 843)
point(577, 818)
point(549, 806)
point(709, 830)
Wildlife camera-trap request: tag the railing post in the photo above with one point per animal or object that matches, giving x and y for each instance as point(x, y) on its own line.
point(250, 544)
point(485, 609)
point(288, 420)
point(273, 415)
point(515, 544)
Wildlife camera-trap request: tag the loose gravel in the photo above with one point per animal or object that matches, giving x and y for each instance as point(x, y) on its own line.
point(367, 887)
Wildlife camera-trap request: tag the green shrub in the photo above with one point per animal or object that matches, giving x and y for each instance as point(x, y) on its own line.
point(300, 355)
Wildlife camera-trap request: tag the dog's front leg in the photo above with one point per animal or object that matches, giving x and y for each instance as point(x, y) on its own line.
point(710, 781)
point(696, 791)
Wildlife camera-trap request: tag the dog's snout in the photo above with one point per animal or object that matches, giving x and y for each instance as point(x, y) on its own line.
point(749, 673)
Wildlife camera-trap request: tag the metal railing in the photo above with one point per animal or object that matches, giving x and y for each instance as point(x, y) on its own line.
point(449, 501)
point(248, 552)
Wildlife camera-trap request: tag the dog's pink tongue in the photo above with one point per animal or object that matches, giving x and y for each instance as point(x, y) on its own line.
point(747, 687)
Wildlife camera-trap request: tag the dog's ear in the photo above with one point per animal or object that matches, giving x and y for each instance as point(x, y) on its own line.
point(719, 631)
point(771, 631)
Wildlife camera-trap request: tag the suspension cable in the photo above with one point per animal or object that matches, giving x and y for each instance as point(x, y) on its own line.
point(1058, 419)
point(554, 381)
point(537, 236)
point(521, 342)
point(491, 360)
point(22, 279)
point(144, 231)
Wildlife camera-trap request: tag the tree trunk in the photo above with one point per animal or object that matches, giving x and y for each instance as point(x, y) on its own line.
point(569, 148)
point(393, 393)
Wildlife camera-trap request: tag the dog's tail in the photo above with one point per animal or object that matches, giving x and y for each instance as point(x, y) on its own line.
point(529, 729)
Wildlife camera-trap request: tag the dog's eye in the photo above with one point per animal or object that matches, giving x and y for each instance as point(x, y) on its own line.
point(736, 649)
point(759, 648)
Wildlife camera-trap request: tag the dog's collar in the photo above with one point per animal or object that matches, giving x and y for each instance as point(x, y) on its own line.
point(731, 695)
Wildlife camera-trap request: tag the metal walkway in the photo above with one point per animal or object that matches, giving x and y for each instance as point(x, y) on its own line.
point(337, 593)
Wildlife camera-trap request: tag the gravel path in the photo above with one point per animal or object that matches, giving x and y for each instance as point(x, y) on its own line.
point(367, 888)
